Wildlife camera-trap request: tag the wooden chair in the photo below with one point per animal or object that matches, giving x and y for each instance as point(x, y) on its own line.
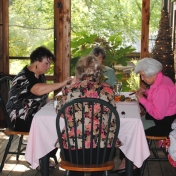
point(80, 165)
point(5, 83)
point(154, 148)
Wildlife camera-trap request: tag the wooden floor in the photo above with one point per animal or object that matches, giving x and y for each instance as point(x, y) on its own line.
point(22, 168)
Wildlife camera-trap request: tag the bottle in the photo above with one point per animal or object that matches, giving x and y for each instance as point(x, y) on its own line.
point(55, 103)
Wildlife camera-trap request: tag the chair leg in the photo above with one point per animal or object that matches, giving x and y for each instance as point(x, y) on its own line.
point(44, 165)
point(154, 149)
point(6, 152)
point(106, 173)
point(143, 167)
point(19, 147)
point(149, 141)
point(67, 173)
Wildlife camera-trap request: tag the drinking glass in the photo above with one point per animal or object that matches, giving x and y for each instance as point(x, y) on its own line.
point(118, 87)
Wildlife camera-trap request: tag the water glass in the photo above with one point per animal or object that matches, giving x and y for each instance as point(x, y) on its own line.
point(119, 87)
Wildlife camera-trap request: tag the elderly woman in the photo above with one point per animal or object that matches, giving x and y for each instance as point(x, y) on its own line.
point(87, 84)
point(159, 100)
point(108, 72)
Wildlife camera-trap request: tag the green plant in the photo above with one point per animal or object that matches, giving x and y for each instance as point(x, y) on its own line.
point(134, 80)
point(83, 43)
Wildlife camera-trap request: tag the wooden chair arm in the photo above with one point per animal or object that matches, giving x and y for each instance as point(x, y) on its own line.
point(157, 137)
point(11, 132)
point(73, 167)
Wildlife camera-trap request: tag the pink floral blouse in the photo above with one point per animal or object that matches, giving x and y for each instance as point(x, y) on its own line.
point(89, 89)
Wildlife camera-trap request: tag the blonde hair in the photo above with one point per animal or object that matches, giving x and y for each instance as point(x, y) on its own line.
point(88, 66)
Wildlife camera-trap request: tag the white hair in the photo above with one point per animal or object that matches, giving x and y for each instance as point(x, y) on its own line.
point(149, 66)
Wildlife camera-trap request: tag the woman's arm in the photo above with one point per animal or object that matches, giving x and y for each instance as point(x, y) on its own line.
point(157, 104)
point(44, 88)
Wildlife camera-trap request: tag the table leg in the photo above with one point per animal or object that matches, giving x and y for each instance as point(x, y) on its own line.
point(129, 167)
point(44, 165)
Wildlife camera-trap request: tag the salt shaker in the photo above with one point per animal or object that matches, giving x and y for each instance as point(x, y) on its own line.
point(55, 103)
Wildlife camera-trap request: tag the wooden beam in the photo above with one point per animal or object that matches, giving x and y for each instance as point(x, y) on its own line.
point(4, 50)
point(62, 23)
point(145, 28)
point(4, 38)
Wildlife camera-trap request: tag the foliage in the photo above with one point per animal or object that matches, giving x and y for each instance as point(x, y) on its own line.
point(134, 80)
point(16, 65)
point(30, 26)
point(106, 18)
point(31, 22)
point(83, 44)
point(116, 25)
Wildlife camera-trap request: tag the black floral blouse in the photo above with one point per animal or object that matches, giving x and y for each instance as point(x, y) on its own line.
point(22, 103)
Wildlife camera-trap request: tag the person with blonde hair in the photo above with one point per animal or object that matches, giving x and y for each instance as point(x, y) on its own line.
point(87, 84)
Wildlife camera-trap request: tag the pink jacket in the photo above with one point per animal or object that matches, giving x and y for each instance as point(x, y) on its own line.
point(161, 98)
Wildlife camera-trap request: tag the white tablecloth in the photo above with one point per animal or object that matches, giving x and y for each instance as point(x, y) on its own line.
point(42, 136)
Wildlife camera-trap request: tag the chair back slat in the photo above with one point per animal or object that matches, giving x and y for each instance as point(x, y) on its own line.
point(69, 146)
point(83, 144)
point(91, 141)
point(76, 141)
point(98, 145)
point(5, 84)
point(98, 137)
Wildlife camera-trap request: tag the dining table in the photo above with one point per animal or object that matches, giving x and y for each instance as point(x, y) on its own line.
point(43, 136)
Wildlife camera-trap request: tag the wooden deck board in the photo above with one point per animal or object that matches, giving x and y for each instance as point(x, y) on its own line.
point(13, 167)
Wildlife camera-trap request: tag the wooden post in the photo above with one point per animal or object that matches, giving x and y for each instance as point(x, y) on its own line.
point(62, 23)
point(145, 32)
point(145, 28)
point(4, 38)
point(4, 48)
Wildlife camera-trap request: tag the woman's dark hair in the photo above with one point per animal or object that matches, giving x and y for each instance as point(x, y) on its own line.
point(99, 50)
point(41, 52)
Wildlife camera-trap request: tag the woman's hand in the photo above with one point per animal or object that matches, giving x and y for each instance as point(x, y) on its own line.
point(67, 81)
point(44, 88)
point(74, 80)
point(139, 93)
point(141, 90)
